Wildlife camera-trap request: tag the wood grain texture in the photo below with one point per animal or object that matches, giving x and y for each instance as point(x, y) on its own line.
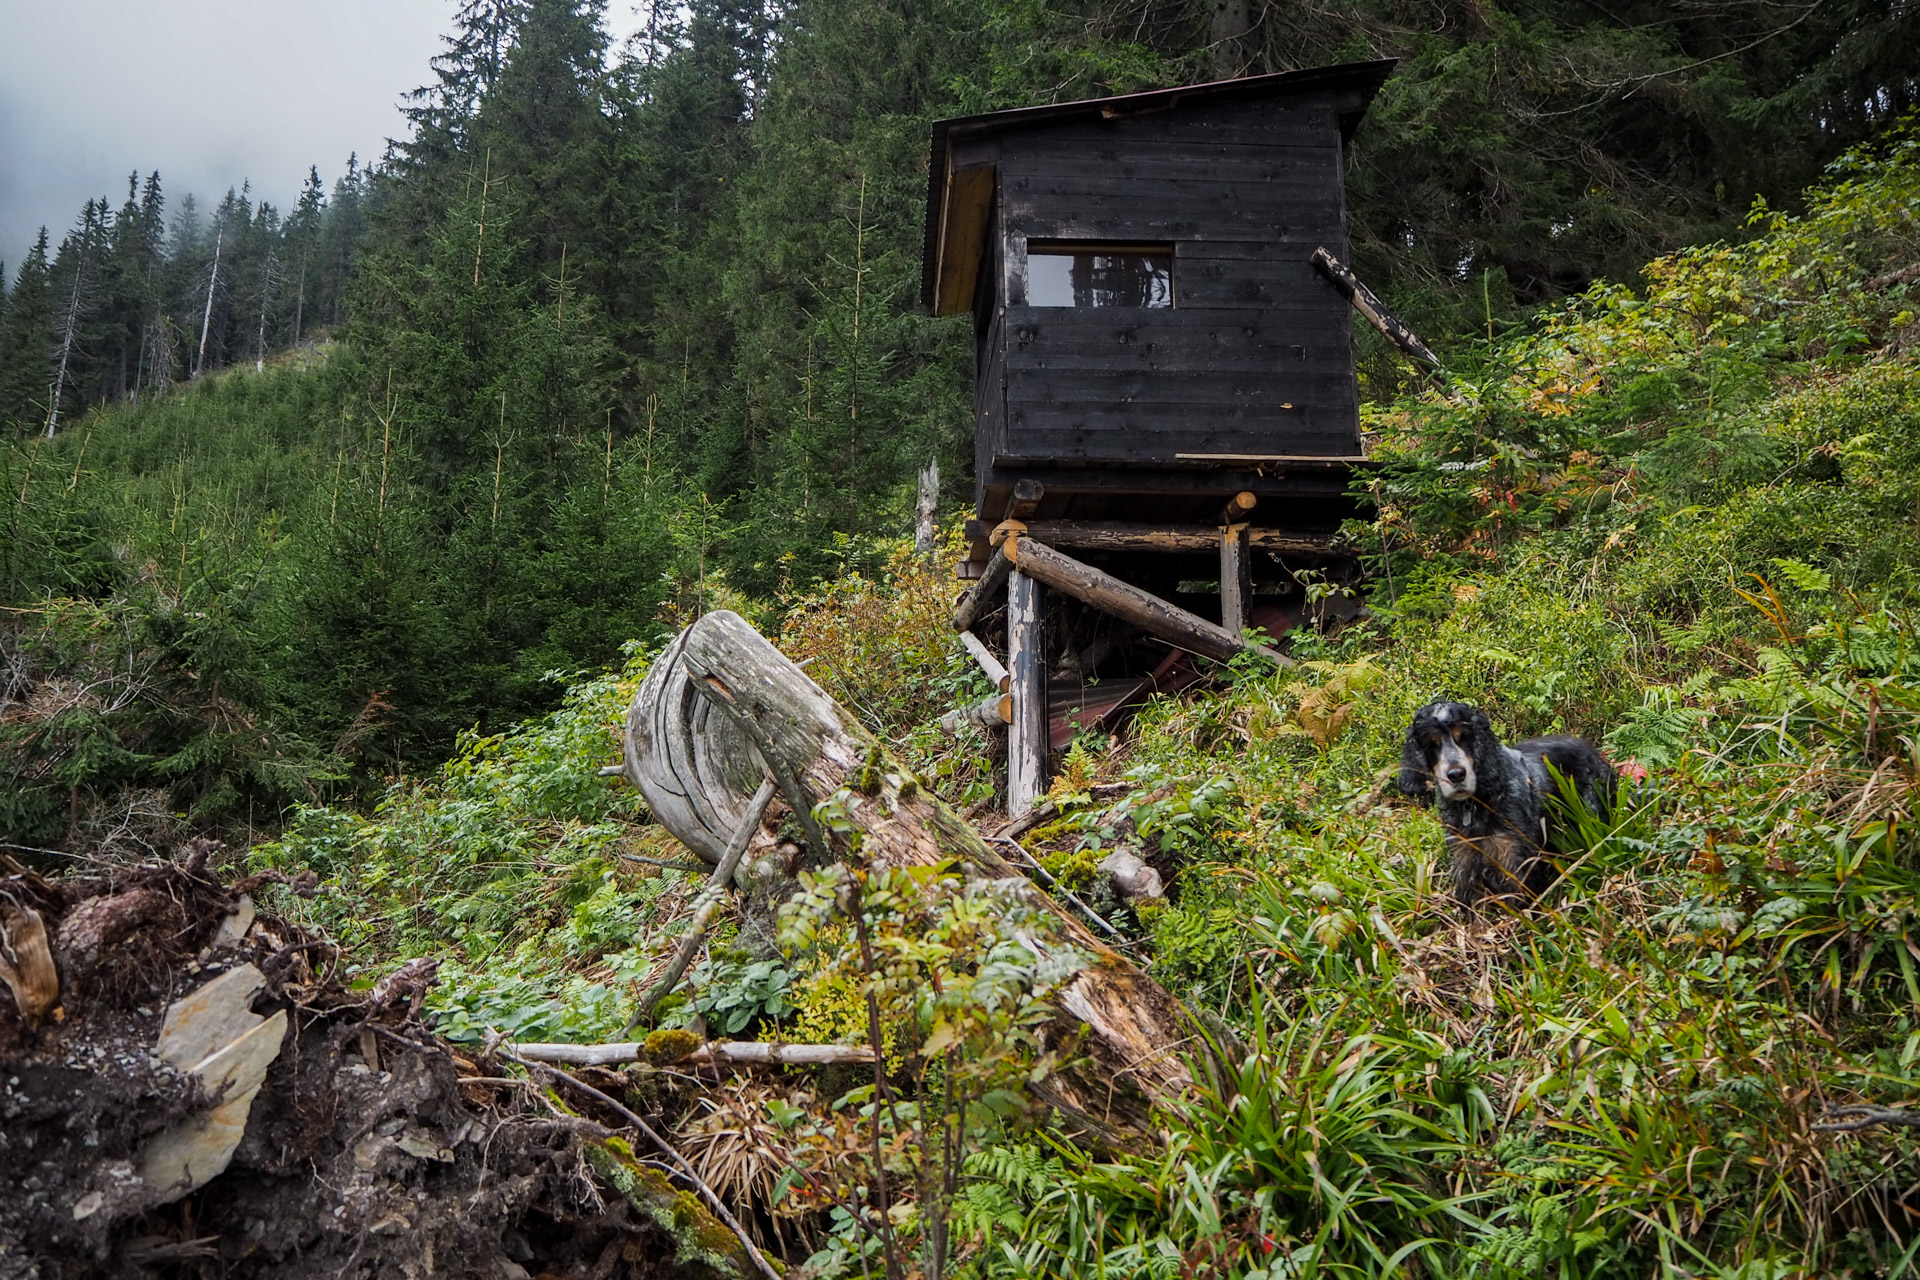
point(1130, 1031)
point(1129, 603)
point(1027, 684)
point(969, 197)
point(1114, 535)
point(980, 597)
point(1236, 578)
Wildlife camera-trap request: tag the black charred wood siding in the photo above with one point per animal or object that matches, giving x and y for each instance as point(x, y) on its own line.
point(1255, 357)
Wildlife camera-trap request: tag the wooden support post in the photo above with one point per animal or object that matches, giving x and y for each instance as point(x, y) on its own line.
point(1238, 508)
point(1236, 578)
point(1126, 602)
point(979, 597)
point(1026, 662)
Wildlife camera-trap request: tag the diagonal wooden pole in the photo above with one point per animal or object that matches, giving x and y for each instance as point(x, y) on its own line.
point(706, 906)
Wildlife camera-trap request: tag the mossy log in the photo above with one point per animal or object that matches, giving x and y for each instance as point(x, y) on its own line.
point(723, 709)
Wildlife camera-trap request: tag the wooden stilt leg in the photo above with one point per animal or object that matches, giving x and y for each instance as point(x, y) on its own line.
point(1026, 664)
point(1236, 578)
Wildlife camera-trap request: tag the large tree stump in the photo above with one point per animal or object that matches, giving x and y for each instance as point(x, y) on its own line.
point(723, 709)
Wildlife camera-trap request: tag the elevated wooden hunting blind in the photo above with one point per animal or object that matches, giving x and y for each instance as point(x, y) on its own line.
point(1163, 347)
point(1148, 323)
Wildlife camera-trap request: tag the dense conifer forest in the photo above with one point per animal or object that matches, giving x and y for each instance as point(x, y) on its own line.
point(617, 330)
point(345, 532)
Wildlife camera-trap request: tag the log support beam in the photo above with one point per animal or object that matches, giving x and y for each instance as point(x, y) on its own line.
point(980, 597)
point(1113, 535)
point(1025, 499)
point(1374, 311)
point(1026, 664)
point(989, 665)
point(993, 712)
point(1035, 559)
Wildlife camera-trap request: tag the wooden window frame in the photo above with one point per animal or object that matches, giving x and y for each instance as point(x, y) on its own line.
point(1067, 246)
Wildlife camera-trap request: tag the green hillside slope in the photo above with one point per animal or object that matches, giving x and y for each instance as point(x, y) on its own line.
point(1681, 520)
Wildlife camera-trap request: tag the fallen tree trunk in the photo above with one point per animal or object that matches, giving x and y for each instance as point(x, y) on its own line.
point(766, 717)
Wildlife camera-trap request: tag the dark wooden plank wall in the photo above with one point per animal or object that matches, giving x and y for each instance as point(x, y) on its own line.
point(990, 400)
point(1255, 357)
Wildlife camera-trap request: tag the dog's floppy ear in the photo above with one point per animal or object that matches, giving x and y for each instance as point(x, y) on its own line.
point(1416, 776)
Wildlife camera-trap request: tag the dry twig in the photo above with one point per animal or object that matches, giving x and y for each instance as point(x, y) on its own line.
point(686, 1170)
point(1864, 1116)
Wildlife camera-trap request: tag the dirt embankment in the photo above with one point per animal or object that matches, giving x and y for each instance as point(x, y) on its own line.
point(201, 1096)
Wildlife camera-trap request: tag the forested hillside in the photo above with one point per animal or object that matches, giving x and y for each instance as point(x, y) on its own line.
point(637, 325)
point(136, 300)
point(614, 333)
point(617, 336)
point(1678, 520)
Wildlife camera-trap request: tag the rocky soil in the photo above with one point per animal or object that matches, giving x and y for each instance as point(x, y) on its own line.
point(203, 1096)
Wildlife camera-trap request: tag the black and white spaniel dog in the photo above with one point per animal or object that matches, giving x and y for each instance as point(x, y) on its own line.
point(1493, 799)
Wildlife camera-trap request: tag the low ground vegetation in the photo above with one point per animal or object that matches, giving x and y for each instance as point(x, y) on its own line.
point(1677, 520)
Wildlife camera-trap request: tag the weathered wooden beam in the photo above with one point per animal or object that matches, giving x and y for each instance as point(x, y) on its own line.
point(993, 712)
point(1123, 600)
point(1109, 535)
point(1375, 311)
point(707, 905)
point(1026, 663)
point(1025, 500)
point(963, 225)
point(989, 665)
point(980, 595)
point(1236, 578)
point(1239, 507)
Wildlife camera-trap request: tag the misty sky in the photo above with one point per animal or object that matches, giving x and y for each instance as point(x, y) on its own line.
point(209, 92)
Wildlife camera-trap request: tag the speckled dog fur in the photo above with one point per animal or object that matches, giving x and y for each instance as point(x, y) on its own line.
point(1492, 798)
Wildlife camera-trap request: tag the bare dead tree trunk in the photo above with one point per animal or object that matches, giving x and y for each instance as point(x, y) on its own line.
point(206, 318)
point(300, 293)
point(722, 710)
point(70, 324)
point(260, 336)
point(923, 509)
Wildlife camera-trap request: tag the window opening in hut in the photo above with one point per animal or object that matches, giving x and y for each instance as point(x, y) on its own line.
point(1099, 275)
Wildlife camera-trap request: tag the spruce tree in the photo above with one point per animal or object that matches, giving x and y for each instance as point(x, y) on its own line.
point(303, 239)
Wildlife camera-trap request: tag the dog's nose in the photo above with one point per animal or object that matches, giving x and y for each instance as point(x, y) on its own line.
point(1456, 774)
